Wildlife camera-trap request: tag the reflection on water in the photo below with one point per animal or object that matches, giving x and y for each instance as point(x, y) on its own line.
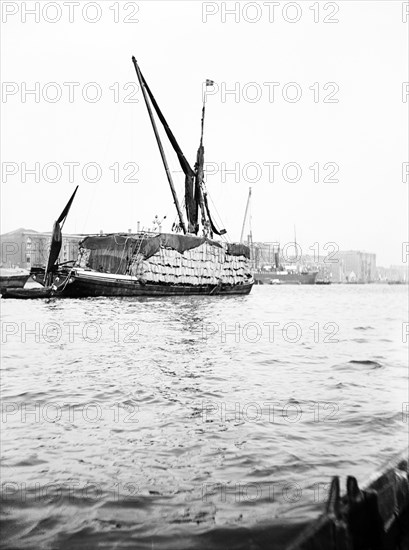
point(194, 422)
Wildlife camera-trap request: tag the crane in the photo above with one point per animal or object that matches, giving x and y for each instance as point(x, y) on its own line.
point(245, 216)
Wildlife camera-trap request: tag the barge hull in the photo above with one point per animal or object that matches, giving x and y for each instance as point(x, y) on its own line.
point(85, 286)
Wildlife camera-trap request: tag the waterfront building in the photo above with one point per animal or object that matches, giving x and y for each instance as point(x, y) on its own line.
point(352, 266)
point(27, 248)
point(358, 266)
point(393, 274)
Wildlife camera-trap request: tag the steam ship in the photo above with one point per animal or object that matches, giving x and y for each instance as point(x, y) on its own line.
point(284, 274)
point(276, 273)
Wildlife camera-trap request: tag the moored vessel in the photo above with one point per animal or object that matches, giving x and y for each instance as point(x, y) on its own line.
point(285, 276)
point(49, 278)
point(188, 261)
point(157, 264)
point(12, 278)
point(29, 293)
point(275, 274)
point(290, 274)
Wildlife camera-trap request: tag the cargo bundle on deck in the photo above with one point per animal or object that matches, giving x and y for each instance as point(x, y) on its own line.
point(163, 264)
point(167, 258)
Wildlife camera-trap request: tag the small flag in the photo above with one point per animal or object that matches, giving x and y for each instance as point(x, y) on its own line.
point(209, 82)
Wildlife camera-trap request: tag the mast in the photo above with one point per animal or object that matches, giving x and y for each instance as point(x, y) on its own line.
point(200, 191)
point(165, 162)
point(245, 216)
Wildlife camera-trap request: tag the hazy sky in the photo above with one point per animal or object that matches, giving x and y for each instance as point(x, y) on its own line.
point(324, 96)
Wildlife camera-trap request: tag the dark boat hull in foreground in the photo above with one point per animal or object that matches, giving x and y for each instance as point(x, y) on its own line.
point(83, 283)
point(375, 518)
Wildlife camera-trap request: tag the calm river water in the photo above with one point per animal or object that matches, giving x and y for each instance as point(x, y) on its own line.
point(195, 422)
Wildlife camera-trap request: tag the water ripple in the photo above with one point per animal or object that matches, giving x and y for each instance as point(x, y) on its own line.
point(194, 423)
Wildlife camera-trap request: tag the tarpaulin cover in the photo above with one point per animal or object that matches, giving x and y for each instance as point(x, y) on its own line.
point(109, 253)
point(113, 253)
point(237, 249)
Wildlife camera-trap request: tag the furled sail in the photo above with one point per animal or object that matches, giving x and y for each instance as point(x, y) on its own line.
point(200, 194)
point(198, 183)
point(56, 240)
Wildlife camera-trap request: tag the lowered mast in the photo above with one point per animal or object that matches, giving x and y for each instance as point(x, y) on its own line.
point(165, 162)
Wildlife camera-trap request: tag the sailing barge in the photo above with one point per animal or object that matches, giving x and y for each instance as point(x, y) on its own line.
point(187, 262)
point(158, 265)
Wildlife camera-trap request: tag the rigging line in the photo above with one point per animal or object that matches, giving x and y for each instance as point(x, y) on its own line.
point(64, 284)
point(135, 254)
point(123, 252)
point(218, 215)
point(174, 169)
